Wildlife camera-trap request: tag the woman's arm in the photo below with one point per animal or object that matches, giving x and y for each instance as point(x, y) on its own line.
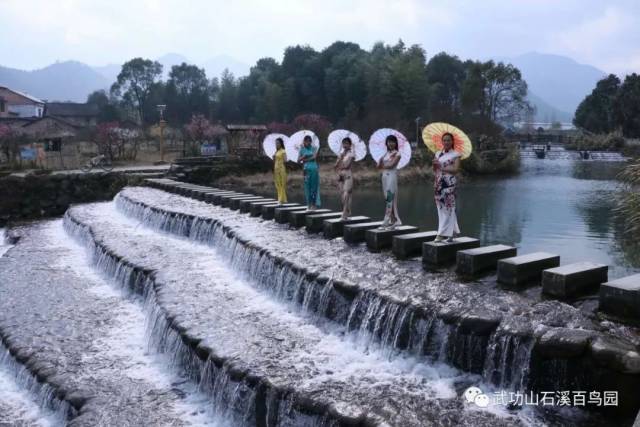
point(394, 161)
point(454, 168)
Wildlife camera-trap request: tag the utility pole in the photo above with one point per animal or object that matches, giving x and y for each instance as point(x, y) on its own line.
point(162, 125)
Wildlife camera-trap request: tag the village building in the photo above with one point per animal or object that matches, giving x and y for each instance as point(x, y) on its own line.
point(80, 115)
point(15, 104)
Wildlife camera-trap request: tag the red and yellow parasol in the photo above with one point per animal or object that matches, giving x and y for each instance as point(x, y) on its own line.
point(432, 137)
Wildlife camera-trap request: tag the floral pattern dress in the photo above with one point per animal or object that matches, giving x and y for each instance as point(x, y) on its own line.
point(445, 194)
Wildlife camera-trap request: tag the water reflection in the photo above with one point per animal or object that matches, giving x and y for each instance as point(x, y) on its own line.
point(559, 206)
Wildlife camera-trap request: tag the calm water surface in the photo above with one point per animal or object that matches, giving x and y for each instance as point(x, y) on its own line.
point(559, 206)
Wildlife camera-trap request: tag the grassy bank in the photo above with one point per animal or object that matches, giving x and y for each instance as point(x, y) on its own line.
point(365, 175)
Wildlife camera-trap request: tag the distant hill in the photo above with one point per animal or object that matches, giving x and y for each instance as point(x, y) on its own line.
point(546, 112)
point(558, 81)
point(62, 81)
point(216, 65)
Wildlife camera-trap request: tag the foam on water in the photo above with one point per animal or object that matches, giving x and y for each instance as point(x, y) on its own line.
point(17, 406)
point(125, 346)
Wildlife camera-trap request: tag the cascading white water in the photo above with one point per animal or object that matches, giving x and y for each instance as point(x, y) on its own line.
point(374, 320)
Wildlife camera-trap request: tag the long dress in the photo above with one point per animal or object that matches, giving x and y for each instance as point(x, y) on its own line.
point(280, 175)
point(445, 194)
point(346, 181)
point(311, 178)
point(390, 190)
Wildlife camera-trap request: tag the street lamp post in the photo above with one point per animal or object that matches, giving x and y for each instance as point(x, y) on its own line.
point(162, 123)
point(418, 120)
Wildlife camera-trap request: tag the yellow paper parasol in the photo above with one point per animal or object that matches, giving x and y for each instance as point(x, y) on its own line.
point(432, 137)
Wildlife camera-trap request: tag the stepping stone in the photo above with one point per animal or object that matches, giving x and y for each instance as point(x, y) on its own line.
point(441, 253)
point(354, 233)
point(217, 198)
point(225, 201)
point(256, 207)
point(210, 197)
point(471, 262)
point(245, 205)
point(269, 211)
point(574, 279)
point(408, 245)
point(202, 195)
point(297, 219)
point(332, 228)
point(523, 269)
point(621, 297)
point(381, 239)
point(313, 223)
point(235, 202)
point(281, 214)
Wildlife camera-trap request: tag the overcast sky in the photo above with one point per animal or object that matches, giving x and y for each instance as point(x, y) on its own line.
point(36, 33)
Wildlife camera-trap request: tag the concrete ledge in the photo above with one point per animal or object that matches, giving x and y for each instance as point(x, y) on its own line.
point(520, 270)
point(441, 253)
point(313, 223)
point(354, 233)
point(225, 201)
point(409, 245)
point(381, 239)
point(297, 219)
point(332, 228)
point(282, 214)
point(269, 211)
point(573, 279)
point(255, 208)
point(245, 205)
point(217, 198)
point(621, 298)
point(234, 203)
point(471, 262)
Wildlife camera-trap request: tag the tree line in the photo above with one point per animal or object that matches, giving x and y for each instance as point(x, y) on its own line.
point(389, 85)
point(612, 106)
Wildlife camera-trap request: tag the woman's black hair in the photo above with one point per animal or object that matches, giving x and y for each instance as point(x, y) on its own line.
point(307, 138)
point(279, 141)
point(391, 138)
point(347, 139)
point(448, 133)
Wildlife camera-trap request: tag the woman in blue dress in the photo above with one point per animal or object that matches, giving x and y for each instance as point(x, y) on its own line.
point(307, 157)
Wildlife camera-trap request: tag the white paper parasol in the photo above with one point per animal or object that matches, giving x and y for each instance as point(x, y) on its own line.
point(269, 143)
point(378, 147)
point(295, 142)
point(335, 143)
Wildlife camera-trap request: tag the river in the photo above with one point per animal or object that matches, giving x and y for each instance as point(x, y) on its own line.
point(559, 206)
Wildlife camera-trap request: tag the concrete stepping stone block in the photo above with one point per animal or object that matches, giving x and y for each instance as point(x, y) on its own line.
point(281, 214)
point(245, 205)
point(355, 233)
point(470, 262)
point(225, 201)
point(332, 228)
point(210, 197)
point(255, 208)
point(314, 222)
point(574, 279)
point(621, 297)
point(218, 198)
point(234, 203)
point(441, 253)
point(378, 239)
point(408, 245)
point(523, 269)
point(297, 219)
point(269, 211)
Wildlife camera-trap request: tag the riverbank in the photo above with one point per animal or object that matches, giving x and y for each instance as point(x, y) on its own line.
point(365, 176)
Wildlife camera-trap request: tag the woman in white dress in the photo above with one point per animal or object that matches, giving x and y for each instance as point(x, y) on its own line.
point(345, 177)
point(446, 165)
point(388, 164)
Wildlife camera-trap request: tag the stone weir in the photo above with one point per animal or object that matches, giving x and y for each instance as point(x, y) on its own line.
point(513, 340)
point(261, 364)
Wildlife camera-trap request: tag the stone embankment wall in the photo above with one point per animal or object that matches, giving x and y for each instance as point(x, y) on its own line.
point(40, 196)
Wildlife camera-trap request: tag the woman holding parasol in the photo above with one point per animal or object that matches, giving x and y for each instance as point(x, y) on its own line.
point(450, 145)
